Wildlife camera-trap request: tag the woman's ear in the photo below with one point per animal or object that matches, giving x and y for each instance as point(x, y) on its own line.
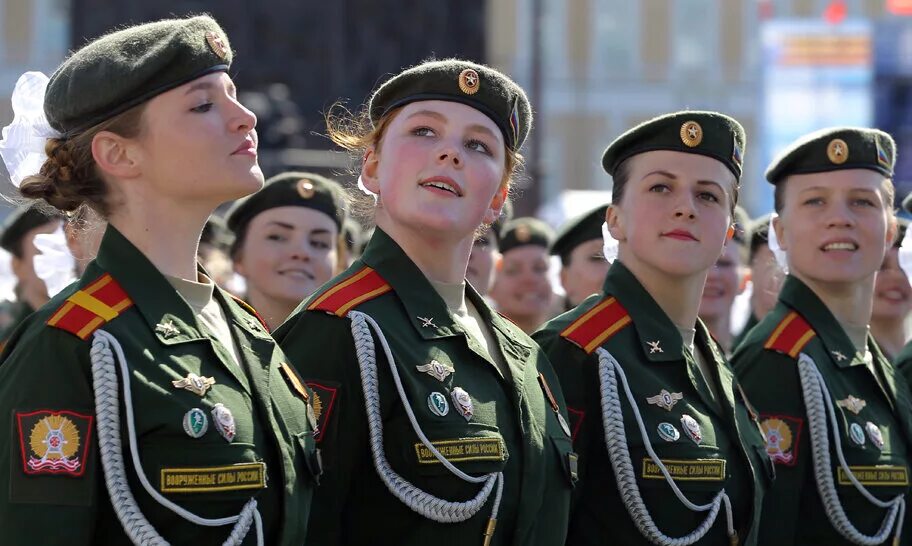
point(616, 222)
point(116, 155)
point(369, 170)
point(497, 205)
point(780, 232)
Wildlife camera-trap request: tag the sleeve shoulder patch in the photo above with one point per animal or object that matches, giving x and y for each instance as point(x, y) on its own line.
point(323, 402)
point(92, 307)
point(350, 292)
point(597, 325)
point(790, 336)
point(54, 442)
point(782, 434)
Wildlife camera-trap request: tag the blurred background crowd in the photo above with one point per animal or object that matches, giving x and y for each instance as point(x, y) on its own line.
point(593, 68)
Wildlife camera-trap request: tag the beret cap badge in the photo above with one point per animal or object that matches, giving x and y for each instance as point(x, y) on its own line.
point(691, 134)
point(523, 235)
point(305, 188)
point(217, 44)
point(838, 151)
point(469, 81)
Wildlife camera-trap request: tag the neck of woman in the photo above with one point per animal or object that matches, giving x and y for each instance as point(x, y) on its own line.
point(273, 311)
point(678, 296)
point(440, 258)
point(167, 233)
point(850, 302)
point(890, 335)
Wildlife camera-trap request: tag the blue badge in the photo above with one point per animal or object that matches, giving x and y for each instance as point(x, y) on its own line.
point(438, 404)
point(668, 432)
point(857, 434)
point(195, 423)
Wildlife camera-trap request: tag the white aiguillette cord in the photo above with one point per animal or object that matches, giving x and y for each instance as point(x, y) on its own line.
point(419, 501)
point(107, 402)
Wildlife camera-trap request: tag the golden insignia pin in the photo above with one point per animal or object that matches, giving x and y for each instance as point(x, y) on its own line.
point(469, 81)
point(195, 383)
point(166, 329)
point(436, 370)
point(838, 151)
point(665, 400)
point(691, 134)
point(217, 44)
point(855, 405)
point(305, 188)
point(523, 235)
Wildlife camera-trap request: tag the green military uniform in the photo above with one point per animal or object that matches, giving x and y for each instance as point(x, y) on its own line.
point(494, 416)
point(836, 417)
point(706, 437)
point(211, 433)
point(873, 420)
point(757, 234)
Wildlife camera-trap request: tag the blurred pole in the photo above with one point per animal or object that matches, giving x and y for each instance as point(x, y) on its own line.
point(531, 194)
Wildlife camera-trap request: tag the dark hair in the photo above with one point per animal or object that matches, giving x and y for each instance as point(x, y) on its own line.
point(69, 179)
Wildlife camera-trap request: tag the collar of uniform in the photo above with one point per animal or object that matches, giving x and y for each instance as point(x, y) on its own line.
point(660, 340)
point(165, 311)
point(506, 328)
point(425, 308)
point(801, 299)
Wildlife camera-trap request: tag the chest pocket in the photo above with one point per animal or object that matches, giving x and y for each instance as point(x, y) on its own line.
point(474, 448)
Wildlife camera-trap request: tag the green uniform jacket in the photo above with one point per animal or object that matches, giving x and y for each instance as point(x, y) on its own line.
point(630, 325)
point(514, 428)
point(46, 385)
point(903, 362)
point(751, 322)
point(800, 323)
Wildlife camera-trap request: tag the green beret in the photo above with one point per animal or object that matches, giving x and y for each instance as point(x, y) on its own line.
point(18, 223)
point(118, 71)
point(525, 231)
point(835, 149)
point(216, 233)
point(481, 87)
point(759, 233)
point(578, 230)
point(291, 189)
point(706, 133)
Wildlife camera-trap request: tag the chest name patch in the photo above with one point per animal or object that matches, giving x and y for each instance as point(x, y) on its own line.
point(210, 479)
point(462, 449)
point(875, 475)
point(705, 470)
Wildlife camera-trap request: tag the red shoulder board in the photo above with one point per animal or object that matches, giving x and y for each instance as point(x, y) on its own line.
point(790, 336)
point(597, 325)
point(249, 308)
point(91, 308)
point(350, 292)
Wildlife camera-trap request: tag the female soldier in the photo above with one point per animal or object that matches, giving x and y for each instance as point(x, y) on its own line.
point(522, 291)
point(142, 404)
point(669, 452)
point(287, 241)
point(460, 423)
point(892, 300)
point(835, 415)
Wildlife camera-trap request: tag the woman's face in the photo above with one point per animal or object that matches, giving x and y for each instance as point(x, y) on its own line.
point(521, 288)
point(287, 253)
point(198, 143)
point(675, 213)
point(586, 271)
point(892, 293)
point(835, 226)
point(723, 283)
point(439, 170)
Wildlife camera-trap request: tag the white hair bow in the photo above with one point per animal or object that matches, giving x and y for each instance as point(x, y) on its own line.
point(23, 140)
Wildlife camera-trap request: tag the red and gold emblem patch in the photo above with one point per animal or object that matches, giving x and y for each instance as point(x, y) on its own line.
point(324, 399)
point(782, 433)
point(54, 442)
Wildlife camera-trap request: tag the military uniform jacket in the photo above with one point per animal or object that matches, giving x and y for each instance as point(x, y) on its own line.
point(52, 484)
point(903, 362)
point(707, 442)
point(21, 311)
point(509, 424)
point(871, 402)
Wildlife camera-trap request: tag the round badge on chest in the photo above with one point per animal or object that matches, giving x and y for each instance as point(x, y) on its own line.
point(438, 404)
point(874, 434)
point(692, 428)
point(857, 434)
point(195, 423)
point(463, 403)
point(668, 432)
point(224, 421)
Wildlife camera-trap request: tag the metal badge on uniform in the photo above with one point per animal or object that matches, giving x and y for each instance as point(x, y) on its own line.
point(195, 383)
point(469, 81)
point(523, 234)
point(292, 377)
point(855, 405)
point(563, 424)
point(857, 434)
point(668, 432)
point(654, 346)
point(305, 188)
point(874, 434)
point(691, 134)
point(427, 322)
point(665, 400)
point(438, 404)
point(217, 44)
point(166, 329)
point(882, 157)
point(224, 421)
point(463, 402)
point(195, 423)
point(838, 356)
point(838, 151)
point(436, 370)
point(692, 428)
